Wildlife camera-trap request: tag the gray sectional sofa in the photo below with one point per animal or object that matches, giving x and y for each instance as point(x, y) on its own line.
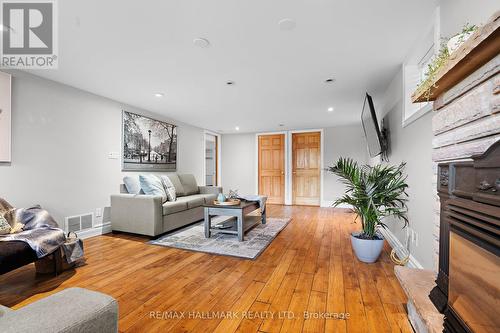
point(148, 215)
point(71, 310)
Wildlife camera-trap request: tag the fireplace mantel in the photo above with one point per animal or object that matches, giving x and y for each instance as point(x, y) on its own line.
point(483, 45)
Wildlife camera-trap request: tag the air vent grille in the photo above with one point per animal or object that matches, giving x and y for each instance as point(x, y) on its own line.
point(86, 221)
point(79, 222)
point(73, 224)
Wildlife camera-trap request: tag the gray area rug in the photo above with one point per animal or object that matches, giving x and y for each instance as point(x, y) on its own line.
point(256, 240)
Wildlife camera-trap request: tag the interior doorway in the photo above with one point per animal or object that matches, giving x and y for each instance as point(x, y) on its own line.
point(271, 167)
point(212, 177)
point(306, 168)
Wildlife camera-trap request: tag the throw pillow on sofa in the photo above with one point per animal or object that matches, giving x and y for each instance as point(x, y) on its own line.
point(189, 184)
point(169, 188)
point(152, 185)
point(4, 226)
point(132, 184)
point(179, 189)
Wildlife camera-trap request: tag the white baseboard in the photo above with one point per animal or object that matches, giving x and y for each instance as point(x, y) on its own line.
point(96, 231)
point(326, 203)
point(329, 203)
point(396, 244)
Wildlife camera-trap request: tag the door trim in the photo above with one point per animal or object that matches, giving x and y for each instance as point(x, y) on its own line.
point(288, 162)
point(219, 154)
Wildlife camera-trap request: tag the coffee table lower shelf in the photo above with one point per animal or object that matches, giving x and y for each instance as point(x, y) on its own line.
point(248, 223)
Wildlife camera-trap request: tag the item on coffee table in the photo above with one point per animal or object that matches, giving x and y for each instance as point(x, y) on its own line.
point(230, 202)
point(233, 194)
point(221, 197)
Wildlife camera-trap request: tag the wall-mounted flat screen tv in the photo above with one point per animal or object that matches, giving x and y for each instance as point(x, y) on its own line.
point(374, 138)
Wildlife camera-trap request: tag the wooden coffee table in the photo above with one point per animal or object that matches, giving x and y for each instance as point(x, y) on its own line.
point(243, 222)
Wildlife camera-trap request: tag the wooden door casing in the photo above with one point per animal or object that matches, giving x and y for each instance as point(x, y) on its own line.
point(306, 168)
point(272, 167)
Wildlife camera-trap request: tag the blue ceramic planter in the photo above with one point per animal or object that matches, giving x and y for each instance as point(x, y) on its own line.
point(367, 250)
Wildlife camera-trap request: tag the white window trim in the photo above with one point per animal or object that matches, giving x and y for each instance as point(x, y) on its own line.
point(434, 29)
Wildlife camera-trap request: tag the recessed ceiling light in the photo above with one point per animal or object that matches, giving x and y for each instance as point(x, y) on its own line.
point(201, 42)
point(237, 128)
point(330, 80)
point(230, 83)
point(159, 95)
point(287, 24)
point(330, 109)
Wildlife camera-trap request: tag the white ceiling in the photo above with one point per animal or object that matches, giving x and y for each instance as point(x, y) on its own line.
point(129, 50)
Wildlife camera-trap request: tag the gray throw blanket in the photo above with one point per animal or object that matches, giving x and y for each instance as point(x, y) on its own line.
point(41, 231)
point(260, 198)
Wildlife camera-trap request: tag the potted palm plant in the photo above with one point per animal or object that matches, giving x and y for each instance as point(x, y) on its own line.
point(374, 193)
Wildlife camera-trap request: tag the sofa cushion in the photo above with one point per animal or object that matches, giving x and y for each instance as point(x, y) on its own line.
point(132, 184)
point(152, 185)
point(70, 310)
point(209, 197)
point(169, 188)
point(189, 183)
point(171, 207)
point(175, 180)
point(4, 310)
point(193, 201)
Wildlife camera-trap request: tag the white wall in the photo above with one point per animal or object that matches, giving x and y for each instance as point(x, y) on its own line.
point(456, 13)
point(61, 137)
point(238, 163)
point(411, 144)
point(239, 159)
point(342, 141)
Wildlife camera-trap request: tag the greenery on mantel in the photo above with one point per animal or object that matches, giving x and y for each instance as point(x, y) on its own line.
point(441, 59)
point(374, 192)
point(432, 69)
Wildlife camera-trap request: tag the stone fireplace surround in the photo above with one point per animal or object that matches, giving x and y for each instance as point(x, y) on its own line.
point(466, 122)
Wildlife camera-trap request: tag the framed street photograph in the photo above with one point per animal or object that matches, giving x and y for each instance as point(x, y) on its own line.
point(148, 144)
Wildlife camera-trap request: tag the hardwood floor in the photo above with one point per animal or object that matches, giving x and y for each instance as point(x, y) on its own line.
point(308, 267)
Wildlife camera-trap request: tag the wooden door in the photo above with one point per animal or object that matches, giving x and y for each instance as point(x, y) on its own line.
point(272, 167)
point(306, 164)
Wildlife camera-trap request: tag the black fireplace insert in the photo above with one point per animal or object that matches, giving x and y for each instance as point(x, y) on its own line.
point(468, 284)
